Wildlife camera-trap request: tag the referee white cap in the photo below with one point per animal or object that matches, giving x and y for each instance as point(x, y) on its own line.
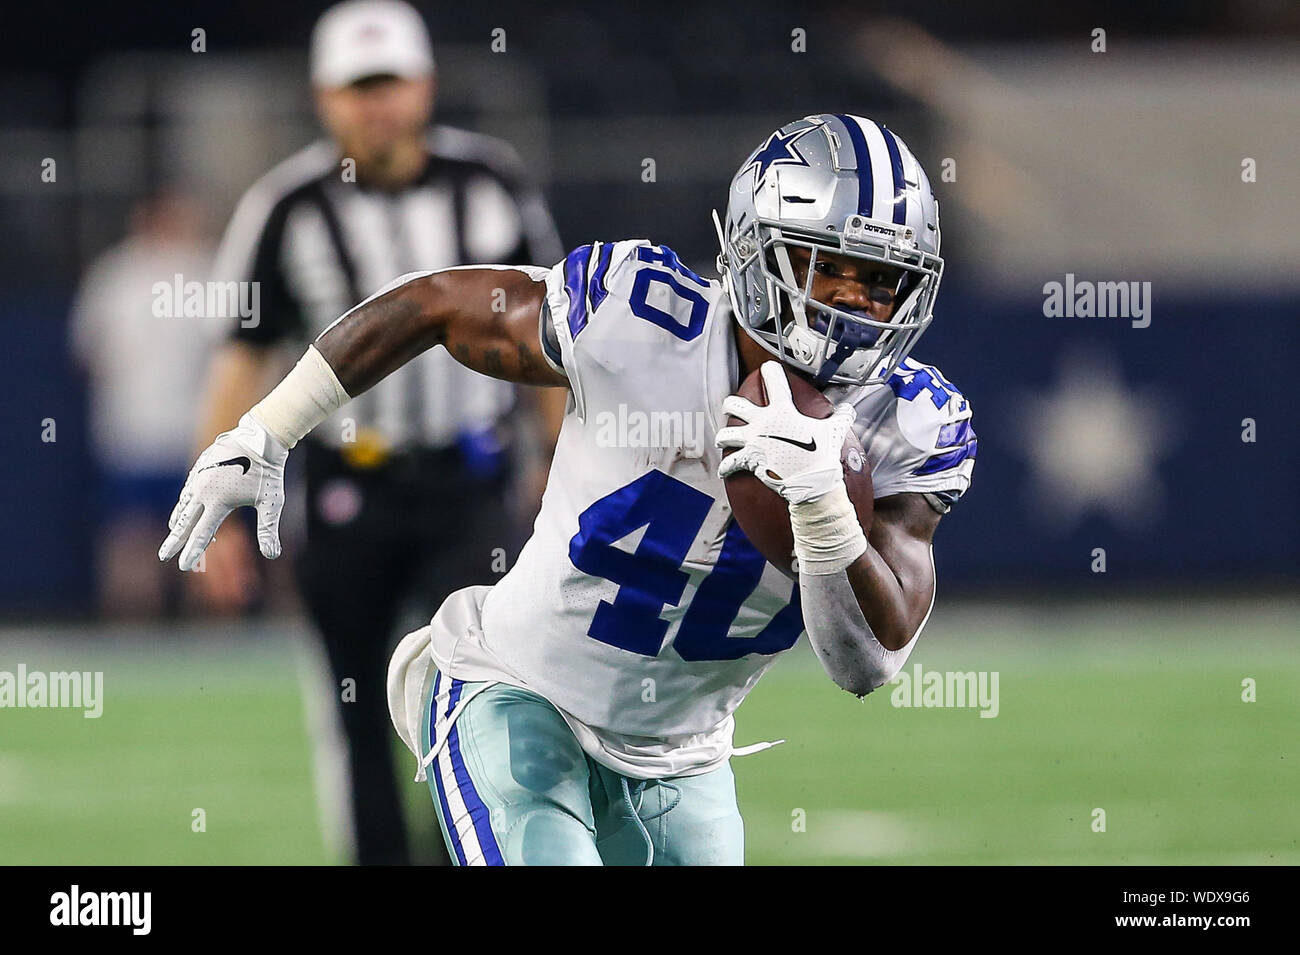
point(360, 38)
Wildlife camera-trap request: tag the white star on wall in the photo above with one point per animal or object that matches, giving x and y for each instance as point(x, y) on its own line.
point(1093, 444)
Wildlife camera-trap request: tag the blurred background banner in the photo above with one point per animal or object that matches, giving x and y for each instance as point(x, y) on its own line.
point(1161, 165)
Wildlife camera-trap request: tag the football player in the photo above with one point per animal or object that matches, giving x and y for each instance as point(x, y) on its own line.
point(581, 710)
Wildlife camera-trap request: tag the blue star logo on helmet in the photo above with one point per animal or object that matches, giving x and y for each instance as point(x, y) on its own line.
point(778, 150)
point(889, 219)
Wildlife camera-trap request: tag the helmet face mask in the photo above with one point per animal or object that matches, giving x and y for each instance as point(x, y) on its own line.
point(831, 344)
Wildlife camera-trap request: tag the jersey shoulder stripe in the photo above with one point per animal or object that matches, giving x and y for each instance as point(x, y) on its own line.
point(960, 438)
point(580, 284)
point(576, 287)
point(934, 445)
point(608, 300)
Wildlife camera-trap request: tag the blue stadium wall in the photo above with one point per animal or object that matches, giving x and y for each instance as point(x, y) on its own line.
point(1226, 515)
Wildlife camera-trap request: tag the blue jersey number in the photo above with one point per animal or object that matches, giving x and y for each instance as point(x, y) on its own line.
point(908, 384)
point(639, 299)
point(650, 577)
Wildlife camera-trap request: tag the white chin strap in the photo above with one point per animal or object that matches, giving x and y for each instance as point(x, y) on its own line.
point(804, 343)
point(861, 362)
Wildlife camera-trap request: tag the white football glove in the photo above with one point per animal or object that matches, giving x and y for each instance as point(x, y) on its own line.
point(241, 467)
point(793, 454)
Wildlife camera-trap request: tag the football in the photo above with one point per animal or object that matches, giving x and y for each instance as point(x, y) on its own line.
point(762, 513)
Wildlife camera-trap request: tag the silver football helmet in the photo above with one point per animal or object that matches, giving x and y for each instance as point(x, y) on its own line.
point(830, 183)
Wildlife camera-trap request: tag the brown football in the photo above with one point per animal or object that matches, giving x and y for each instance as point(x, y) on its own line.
point(762, 513)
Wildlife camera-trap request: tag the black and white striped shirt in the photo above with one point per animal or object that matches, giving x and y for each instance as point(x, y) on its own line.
point(318, 245)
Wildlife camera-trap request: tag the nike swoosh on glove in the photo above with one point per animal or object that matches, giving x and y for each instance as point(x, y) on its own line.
point(793, 454)
point(241, 467)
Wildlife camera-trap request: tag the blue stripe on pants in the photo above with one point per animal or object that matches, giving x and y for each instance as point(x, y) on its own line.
point(478, 812)
point(432, 770)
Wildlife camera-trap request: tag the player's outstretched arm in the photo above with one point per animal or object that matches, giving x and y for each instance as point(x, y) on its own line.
point(488, 318)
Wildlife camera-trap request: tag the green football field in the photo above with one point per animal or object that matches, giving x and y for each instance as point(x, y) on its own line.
point(1135, 710)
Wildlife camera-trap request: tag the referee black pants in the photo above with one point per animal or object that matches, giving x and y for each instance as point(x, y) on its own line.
point(414, 529)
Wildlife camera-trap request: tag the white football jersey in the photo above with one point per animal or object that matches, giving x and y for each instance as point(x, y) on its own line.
point(638, 607)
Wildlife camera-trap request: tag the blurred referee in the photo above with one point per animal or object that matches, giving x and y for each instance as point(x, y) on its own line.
point(408, 487)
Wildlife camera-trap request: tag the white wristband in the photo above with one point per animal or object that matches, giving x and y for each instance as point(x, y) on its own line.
point(308, 395)
point(827, 535)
